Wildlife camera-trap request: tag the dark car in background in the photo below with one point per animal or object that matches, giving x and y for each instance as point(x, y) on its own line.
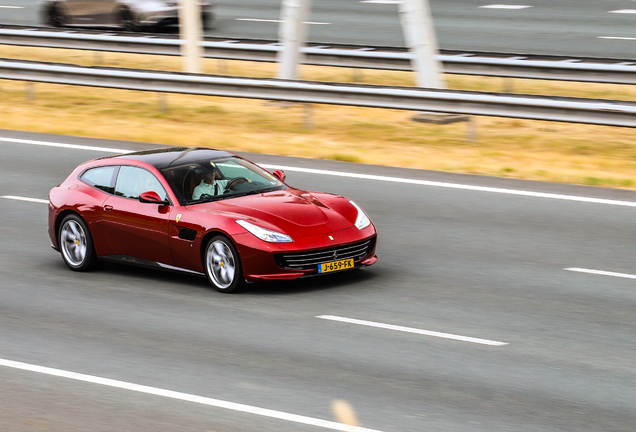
point(130, 15)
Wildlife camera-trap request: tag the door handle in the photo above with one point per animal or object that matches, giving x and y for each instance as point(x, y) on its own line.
point(108, 207)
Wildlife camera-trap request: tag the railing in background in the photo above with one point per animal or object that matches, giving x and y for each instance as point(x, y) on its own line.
point(550, 108)
point(613, 71)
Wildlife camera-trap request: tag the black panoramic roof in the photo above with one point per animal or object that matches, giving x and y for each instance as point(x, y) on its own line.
point(174, 156)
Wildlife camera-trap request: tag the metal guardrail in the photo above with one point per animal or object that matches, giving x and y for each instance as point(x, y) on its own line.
point(561, 109)
point(614, 71)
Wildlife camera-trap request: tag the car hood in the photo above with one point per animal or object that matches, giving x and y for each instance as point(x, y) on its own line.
point(292, 211)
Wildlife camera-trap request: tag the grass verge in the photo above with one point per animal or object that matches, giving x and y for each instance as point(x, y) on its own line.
point(534, 150)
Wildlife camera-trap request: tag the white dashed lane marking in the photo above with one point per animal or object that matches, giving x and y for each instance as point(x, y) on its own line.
point(623, 11)
point(279, 21)
point(505, 6)
point(601, 272)
point(11, 7)
point(382, 1)
point(411, 330)
point(616, 37)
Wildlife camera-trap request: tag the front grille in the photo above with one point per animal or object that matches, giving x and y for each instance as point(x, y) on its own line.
point(308, 260)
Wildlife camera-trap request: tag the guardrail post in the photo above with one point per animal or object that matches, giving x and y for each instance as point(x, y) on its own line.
point(29, 91)
point(162, 102)
point(309, 115)
point(471, 129)
point(508, 85)
point(358, 76)
point(221, 65)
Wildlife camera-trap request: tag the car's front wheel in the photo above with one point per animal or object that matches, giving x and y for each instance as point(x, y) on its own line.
point(76, 244)
point(223, 265)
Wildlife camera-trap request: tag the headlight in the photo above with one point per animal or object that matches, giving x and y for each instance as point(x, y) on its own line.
point(265, 234)
point(362, 220)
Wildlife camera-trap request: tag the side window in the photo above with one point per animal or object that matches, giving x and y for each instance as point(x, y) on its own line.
point(101, 178)
point(133, 181)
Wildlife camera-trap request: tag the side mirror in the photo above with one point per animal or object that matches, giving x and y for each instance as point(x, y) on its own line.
point(280, 175)
point(151, 197)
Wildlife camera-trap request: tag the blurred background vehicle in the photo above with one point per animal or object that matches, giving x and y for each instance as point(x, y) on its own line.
point(129, 15)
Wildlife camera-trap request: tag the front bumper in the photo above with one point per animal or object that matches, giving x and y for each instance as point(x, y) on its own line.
point(265, 264)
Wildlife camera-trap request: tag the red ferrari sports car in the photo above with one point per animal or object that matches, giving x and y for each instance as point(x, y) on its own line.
point(208, 212)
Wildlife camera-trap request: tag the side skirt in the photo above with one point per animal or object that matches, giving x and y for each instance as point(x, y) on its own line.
point(125, 259)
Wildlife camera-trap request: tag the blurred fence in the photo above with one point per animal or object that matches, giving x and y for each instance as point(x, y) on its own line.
point(550, 108)
point(599, 70)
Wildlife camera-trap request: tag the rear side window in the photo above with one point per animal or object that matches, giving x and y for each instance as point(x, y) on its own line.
point(102, 178)
point(132, 181)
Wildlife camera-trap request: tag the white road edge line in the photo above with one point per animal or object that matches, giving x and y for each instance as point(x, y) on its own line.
point(412, 330)
point(454, 185)
point(600, 272)
point(19, 198)
point(366, 176)
point(183, 396)
point(70, 146)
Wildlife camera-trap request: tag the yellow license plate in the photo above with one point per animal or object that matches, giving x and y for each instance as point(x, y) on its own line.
point(335, 266)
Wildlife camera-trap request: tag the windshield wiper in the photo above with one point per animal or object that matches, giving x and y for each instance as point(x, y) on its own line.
point(207, 199)
point(255, 192)
point(242, 194)
point(237, 195)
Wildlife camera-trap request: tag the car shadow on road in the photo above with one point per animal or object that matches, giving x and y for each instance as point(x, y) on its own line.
point(349, 280)
point(355, 279)
point(174, 278)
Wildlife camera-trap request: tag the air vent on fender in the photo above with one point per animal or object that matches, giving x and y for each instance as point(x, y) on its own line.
point(187, 234)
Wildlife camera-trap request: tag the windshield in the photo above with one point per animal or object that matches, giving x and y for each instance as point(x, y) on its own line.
point(217, 179)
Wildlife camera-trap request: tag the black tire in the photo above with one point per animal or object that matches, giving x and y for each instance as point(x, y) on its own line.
point(207, 21)
point(54, 16)
point(127, 20)
point(76, 244)
point(222, 265)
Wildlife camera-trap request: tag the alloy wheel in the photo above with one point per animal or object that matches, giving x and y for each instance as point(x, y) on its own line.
point(223, 265)
point(73, 242)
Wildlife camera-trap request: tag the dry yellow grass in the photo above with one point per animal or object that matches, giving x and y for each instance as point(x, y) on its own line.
point(558, 152)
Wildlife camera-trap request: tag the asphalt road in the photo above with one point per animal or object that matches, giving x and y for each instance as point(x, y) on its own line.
point(567, 27)
point(472, 263)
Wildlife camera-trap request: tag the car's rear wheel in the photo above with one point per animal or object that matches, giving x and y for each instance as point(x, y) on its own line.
point(76, 244)
point(223, 265)
point(54, 16)
point(206, 20)
point(127, 20)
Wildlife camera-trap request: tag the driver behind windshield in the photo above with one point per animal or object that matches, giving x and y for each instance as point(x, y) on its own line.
point(212, 184)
